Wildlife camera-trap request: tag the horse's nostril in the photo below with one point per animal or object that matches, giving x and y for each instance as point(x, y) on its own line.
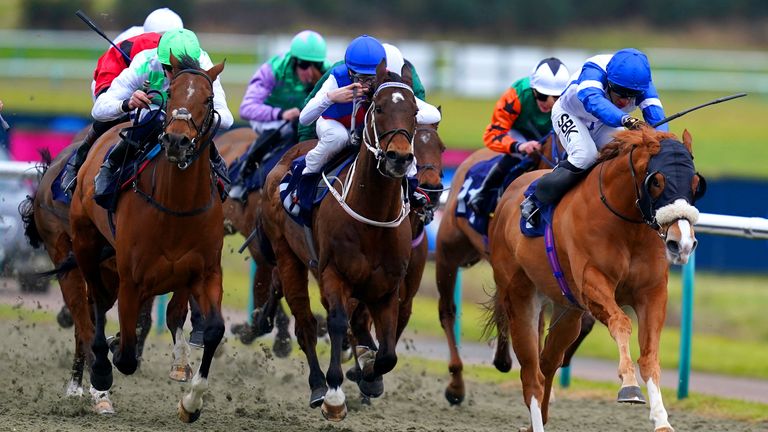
point(392, 155)
point(695, 243)
point(673, 246)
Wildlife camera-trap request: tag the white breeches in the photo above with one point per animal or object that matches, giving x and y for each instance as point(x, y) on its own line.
point(581, 142)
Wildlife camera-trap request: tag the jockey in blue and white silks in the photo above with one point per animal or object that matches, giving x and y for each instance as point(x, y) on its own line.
point(596, 105)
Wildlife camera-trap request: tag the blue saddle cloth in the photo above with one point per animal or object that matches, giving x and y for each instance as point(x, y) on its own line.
point(545, 215)
point(57, 191)
point(259, 176)
point(472, 183)
point(290, 183)
point(127, 172)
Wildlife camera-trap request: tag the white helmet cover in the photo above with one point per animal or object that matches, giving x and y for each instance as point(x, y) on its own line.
point(161, 20)
point(550, 77)
point(395, 59)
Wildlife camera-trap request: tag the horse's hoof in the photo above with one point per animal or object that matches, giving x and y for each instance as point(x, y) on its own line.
point(347, 355)
point(180, 373)
point(103, 407)
point(282, 346)
point(631, 394)
point(453, 397)
point(334, 413)
point(187, 417)
point(113, 342)
point(245, 333)
point(664, 429)
point(372, 389)
point(64, 318)
point(317, 397)
point(354, 373)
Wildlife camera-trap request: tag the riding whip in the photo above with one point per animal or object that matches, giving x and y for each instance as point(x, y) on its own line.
point(93, 26)
point(682, 113)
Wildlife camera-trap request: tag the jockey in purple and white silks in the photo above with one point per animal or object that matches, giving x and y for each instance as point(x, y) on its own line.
point(332, 106)
point(596, 105)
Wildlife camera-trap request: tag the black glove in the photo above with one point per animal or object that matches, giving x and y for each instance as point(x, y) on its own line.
point(632, 123)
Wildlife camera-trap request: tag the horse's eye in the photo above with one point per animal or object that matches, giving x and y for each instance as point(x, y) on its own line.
point(378, 110)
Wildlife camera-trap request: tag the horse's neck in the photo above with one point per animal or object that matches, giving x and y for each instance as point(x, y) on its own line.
point(617, 188)
point(371, 193)
point(181, 189)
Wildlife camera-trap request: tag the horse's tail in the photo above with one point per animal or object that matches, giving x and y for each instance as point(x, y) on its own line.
point(27, 207)
point(496, 318)
point(69, 263)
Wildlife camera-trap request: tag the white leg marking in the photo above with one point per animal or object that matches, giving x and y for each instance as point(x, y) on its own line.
point(193, 400)
point(658, 412)
point(537, 423)
point(335, 397)
point(181, 350)
point(101, 402)
point(73, 389)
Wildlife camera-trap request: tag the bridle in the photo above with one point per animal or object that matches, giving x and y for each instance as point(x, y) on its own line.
point(205, 131)
point(375, 146)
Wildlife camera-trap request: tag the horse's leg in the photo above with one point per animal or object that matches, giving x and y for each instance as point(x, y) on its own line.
point(282, 345)
point(587, 322)
point(175, 316)
point(336, 294)
point(604, 308)
point(294, 279)
point(384, 314)
point(651, 311)
point(263, 299)
point(76, 300)
point(446, 271)
point(365, 349)
point(563, 331)
point(101, 368)
point(129, 301)
point(143, 327)
point(209, 301)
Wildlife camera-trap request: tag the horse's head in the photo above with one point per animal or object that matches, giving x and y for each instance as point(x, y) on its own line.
point(190, 124)
point(667, 192)
point(429, 148)
point(391, 121)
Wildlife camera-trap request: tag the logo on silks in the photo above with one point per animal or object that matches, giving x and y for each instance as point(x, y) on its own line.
point(566, 125)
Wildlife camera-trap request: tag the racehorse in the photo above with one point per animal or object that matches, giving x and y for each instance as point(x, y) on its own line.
point(46, 223)
point(167, 234)
point(615, 234)
point(362, 242)
point(460, 245)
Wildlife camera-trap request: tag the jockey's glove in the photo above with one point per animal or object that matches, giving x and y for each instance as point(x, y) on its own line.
point(632, 123)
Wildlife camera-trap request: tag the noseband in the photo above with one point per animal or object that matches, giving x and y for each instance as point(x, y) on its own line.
point(206, 130)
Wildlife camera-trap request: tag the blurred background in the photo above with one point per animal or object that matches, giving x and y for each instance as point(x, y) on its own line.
point(467, 53)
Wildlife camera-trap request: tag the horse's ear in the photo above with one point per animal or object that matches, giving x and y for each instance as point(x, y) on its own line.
point(214, 72)
point(381, 71)
point(175, 62)
point(406, 74)
point(688, 141)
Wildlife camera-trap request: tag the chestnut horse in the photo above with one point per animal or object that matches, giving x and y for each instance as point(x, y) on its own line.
point(361, 241)
point(615, 234)
point(168, 233)
point(460, 245)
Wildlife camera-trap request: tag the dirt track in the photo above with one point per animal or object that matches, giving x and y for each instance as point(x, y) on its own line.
point(251, 390)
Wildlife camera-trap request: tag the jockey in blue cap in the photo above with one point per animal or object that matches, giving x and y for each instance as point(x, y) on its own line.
point(332, 107)
point(590, 111)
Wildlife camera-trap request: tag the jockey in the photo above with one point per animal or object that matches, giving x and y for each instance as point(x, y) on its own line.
point(108, 67)
point(591, 110)
point(307, 132)
point(126, 94)
point(520, 119)
point(332, 107)
point(276, 95)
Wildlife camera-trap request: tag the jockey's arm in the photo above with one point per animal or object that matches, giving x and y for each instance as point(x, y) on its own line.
point(594, 98)
point(253, 107)
point(319, 103)
point(426, 114)
point(219, 97)
point(650, 104)
point(505, 113)
point(109, 105)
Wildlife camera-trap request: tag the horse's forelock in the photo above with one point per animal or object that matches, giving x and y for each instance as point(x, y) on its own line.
point(187, 62)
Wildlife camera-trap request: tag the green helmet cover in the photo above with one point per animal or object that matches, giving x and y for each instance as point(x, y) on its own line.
point(179, 42)
point(308, 45)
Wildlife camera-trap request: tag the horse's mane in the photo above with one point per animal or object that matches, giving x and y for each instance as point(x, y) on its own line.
point(624, 140)
point(187, 62)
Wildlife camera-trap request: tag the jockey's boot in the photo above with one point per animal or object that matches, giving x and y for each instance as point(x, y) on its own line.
point(69, 178)
point(305, 190)
point(481, 202)
point(252, 159)
point(219, 167)
point(108, 173)
point(550, 188)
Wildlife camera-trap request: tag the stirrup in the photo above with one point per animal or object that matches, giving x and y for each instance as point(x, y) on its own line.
point(524, 207)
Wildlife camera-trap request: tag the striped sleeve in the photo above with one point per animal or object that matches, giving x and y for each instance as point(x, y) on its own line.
point(592, 95)
point(650, 104)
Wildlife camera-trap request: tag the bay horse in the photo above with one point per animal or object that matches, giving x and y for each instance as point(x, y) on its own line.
point(615, 234)
point(459, 245)
point(46, 224)
point(357, 262)
point(168, 233)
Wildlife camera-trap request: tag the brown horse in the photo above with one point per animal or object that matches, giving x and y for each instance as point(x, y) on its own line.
point(609, 258)
point(362, 249)
point(168, 233)
point(460, 245)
